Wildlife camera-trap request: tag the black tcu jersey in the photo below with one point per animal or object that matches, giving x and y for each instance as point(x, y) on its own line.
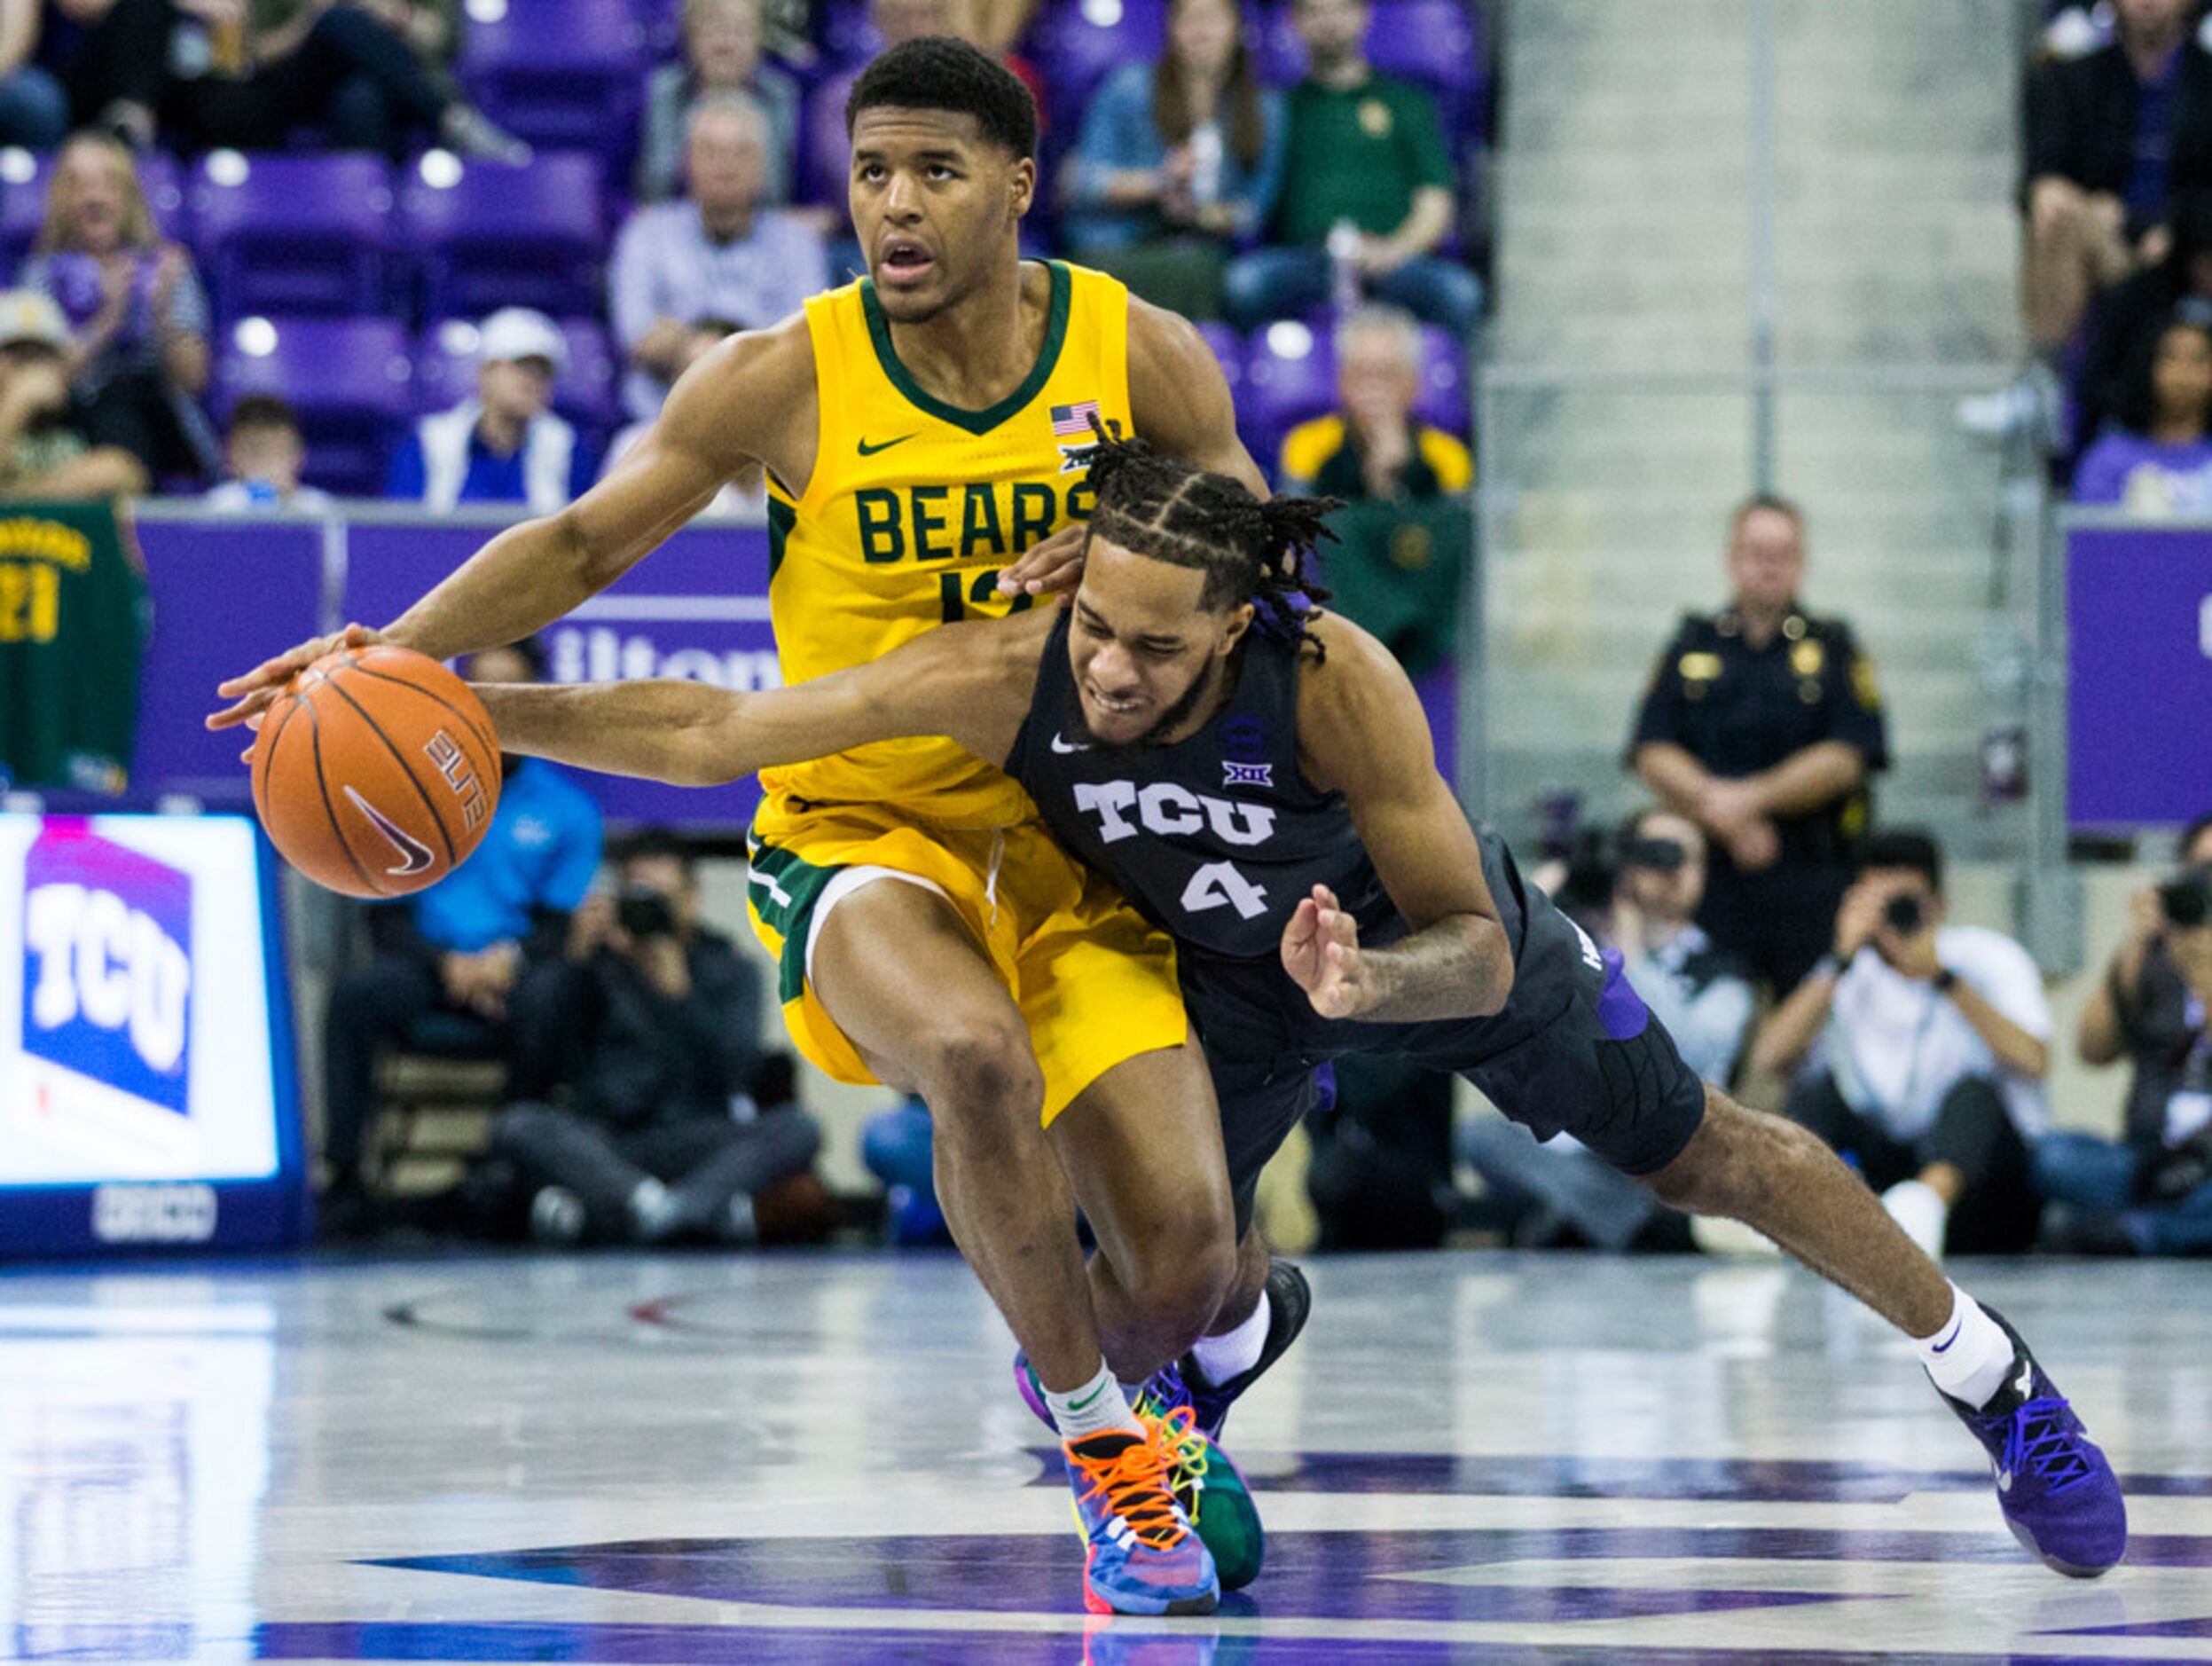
point(1218, 837)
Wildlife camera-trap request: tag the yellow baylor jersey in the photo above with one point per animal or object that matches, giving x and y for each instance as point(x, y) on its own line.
point(913, 507)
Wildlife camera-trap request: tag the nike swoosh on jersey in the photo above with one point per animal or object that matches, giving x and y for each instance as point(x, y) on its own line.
point(413, 853)
point(867, 450)
point(1065, 746)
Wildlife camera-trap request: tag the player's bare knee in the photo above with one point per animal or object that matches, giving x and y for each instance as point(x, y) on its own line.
point(979, 1074)
point(1718, 1172)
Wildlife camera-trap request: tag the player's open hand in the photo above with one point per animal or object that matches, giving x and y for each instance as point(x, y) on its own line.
point(1051, 568)
point(257, 689)
point(1321, 951)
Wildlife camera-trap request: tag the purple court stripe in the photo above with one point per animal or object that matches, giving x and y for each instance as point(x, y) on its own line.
point(1332, 1576)
point(710, 1646)
point(1781, 1481)
point(2141, 1628)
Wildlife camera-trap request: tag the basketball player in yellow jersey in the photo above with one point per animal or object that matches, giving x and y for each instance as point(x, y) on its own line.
point(923, 429)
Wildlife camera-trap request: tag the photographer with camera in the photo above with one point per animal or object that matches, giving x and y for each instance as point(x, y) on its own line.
point(660, 1021)
point(2150, 1191)
point(1558, 1190)
point(1921, 1049)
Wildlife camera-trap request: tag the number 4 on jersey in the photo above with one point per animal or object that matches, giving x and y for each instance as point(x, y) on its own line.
point(1218, 885)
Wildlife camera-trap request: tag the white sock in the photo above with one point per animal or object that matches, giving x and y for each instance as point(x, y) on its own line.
point(1234, 1352)
point(1969, 1357)
point(1097, 1407)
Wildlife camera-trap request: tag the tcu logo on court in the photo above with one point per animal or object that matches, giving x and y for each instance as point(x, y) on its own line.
point(107, 968)
point(1172, 811)
point(452, 763)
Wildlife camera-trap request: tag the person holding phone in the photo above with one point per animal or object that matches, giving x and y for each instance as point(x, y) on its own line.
point(1919, 1050)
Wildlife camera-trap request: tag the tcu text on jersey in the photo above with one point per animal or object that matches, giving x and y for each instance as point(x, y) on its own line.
point(1123, 808)
point(107, 968)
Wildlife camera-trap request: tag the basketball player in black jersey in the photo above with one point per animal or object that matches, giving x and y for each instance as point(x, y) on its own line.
point(1258, 777)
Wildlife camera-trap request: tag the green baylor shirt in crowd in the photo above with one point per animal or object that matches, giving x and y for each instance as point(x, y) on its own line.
point(73, 627)
point(1357, 155)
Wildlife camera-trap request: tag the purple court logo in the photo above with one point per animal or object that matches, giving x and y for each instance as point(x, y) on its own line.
point(107, 965)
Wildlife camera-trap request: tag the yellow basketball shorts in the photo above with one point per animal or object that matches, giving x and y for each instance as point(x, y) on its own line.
point(1094, 980)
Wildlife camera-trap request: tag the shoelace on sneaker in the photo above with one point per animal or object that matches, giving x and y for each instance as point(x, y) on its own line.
point(1134, 1482)
point(1176, 1431)
point(2040, 1442)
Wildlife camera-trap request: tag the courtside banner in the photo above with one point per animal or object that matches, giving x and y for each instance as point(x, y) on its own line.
point(148, 1098)
point(697, 608)
point(2139, 669)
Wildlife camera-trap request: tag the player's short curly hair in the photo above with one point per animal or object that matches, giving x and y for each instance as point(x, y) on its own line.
point(937, 72)
point(1250, 549)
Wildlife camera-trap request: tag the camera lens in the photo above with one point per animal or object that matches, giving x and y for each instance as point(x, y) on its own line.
point(1902, 916)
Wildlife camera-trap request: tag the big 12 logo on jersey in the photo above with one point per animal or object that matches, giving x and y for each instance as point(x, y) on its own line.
point(107, 968)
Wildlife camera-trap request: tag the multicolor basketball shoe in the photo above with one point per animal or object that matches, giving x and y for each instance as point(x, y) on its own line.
point(1142, 1555)
point(2057, 1492)
point(1205, 1483)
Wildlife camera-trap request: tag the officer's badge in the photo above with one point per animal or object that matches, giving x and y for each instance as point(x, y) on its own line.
point(1807, 657)
point(1699, 667)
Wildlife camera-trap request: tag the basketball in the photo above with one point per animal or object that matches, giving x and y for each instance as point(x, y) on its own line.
point(376, 771)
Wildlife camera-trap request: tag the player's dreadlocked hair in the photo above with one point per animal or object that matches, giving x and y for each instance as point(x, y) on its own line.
point(1248, 549)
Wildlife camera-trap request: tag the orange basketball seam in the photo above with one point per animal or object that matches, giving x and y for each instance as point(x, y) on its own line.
point(406, 769)
point(489, 742)
point(258, 776)
point(315, 730)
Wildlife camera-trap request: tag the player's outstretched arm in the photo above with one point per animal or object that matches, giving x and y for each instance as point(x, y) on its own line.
point(1181, 405)
point(1362, 732)
point(971, 682)
point(751, 399)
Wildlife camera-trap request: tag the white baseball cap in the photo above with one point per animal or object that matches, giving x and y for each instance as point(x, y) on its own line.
point(28, 315)
point(514, 333)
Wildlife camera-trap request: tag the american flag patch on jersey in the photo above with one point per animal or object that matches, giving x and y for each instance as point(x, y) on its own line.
point(1074, 419)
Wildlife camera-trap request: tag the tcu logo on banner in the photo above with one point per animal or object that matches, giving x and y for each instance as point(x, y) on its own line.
point(108, 964)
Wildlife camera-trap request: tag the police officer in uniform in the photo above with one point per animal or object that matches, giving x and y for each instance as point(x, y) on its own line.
point(1763, 724)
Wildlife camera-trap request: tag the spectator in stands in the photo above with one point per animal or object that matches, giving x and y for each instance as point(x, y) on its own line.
point(1763, 724)
point(660, 1021)
point(355, 70)
point(2111, 135)
point(2130, 319)
point(138, 317)
point(2149, 1191)
point(265, 454)
point(1366, 167)
point(721, 58)
point(2157, 459)
point(505, 445)
point(1177, 160)
point(685, 273)
point(483, 949)
point(34, 108)
point(1373, 447)
point(41, 454)
point(1919, 1050)
point(113, 58)
point(1701, 993)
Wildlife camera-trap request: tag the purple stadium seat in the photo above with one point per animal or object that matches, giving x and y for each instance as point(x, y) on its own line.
point(1289, 374)
point(848, 37)
point(1443, 401)
point(23, 177)
point(565, 74)
point(347, 378)
point(588, 394)
point(493, 236)
point(1229, 348)
point(1078, 44)
point(292, 235)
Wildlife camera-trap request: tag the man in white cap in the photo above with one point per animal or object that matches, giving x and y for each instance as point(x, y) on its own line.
point(41, 455)
point(505, 445)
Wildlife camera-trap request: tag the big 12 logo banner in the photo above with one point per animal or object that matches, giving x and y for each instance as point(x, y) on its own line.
point(107, 973)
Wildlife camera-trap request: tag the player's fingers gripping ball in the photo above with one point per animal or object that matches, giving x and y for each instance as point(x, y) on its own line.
point(376, 771)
